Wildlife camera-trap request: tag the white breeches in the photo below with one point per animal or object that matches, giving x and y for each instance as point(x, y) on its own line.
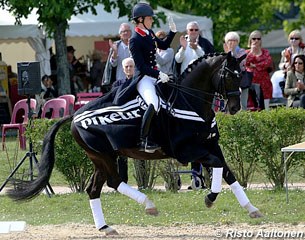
point(146, 88)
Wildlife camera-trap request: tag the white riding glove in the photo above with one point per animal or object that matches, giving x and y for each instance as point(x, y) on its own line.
point(172, 25)
point(163, 77)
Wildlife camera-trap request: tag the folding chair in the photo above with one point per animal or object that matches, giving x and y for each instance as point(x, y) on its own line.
point(20, 109)
point(54, 108)
point(84, 98)
point(70, 100)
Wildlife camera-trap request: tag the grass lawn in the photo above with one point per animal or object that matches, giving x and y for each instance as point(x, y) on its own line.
point(179, 208)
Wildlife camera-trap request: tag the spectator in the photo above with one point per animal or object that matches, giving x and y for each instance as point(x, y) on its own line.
point(192, 46)
point(47, 92)
point(118, 51)
point(53, 66)
point(277, 80)
point(164, 58)
point(128, 68)
point(296, 47)
point(294, 86)
point(231, 45)
point(96, 71)
point(75, 62)
point(74, 68)
point(259, 62)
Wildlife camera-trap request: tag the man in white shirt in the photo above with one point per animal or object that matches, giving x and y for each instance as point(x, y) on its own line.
point(192, 47)
point(119, 50)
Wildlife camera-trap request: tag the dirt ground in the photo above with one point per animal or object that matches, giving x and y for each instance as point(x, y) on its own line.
point(200, 232)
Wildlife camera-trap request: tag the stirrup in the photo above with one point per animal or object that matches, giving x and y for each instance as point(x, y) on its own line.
point(148, 146)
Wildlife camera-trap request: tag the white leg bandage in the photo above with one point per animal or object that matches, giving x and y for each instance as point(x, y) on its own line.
point(97, 212)
point(132, 193)
point(239, 194)
point(216, 180)
point(242, 197)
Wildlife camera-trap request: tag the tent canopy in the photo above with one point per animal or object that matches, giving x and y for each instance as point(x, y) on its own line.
point(8, 32)
point(107, 24)
point(103, 24)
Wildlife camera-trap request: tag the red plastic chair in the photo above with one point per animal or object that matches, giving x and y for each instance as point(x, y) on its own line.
point(20, 109)
point(70, 100)
point(57, 106)
point(84, 98)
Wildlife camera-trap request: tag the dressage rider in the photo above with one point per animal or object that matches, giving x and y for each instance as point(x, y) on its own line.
point(143, 46)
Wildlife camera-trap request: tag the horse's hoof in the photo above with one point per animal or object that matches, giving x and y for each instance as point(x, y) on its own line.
point(113, 232)
point(208, 202)
point(256, 214)
point(152, 211)
point(109, 231)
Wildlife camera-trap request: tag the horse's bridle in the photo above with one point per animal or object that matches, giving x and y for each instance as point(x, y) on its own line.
point(221, 84)
point(221, 94)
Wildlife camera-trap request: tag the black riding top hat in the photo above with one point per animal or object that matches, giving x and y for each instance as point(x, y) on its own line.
point(142, 10)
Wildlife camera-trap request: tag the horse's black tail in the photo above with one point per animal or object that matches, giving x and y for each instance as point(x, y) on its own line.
point(26, 190)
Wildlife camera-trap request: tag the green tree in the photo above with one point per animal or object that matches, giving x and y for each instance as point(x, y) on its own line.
point(235, 15)
point(230, 15)
point(54, 15)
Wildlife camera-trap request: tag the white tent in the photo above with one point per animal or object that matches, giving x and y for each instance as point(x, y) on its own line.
point(103, 24)
point(31, 33)
point(107, 24)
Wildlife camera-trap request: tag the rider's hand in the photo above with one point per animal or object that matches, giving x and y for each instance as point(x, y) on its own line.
point(163, 77)
point(172, 25)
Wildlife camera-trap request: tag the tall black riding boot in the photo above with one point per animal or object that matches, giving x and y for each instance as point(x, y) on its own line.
point(146, 144)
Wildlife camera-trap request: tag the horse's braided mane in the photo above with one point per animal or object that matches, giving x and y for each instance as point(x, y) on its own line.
point(199, 60)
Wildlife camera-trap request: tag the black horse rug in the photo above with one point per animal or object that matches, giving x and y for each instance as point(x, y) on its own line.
point(177, 128)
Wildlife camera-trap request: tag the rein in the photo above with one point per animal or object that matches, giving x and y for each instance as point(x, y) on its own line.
point(193, 92)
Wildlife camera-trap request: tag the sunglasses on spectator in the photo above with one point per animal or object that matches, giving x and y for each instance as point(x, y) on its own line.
point(196, 29)
point(299, 63)
point(256, 39)
point(294, 38)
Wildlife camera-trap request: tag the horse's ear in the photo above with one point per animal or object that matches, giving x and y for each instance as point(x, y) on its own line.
point(242, 58)
point(229, 56)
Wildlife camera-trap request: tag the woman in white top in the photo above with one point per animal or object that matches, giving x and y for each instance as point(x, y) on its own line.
point(231, 45)
point(296, 48)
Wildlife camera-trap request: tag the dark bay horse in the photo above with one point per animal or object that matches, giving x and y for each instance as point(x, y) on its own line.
point(190, 134)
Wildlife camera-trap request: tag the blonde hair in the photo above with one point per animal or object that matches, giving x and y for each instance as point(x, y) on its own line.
point(295, 33)
point(252, 34)
point(232, 36)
